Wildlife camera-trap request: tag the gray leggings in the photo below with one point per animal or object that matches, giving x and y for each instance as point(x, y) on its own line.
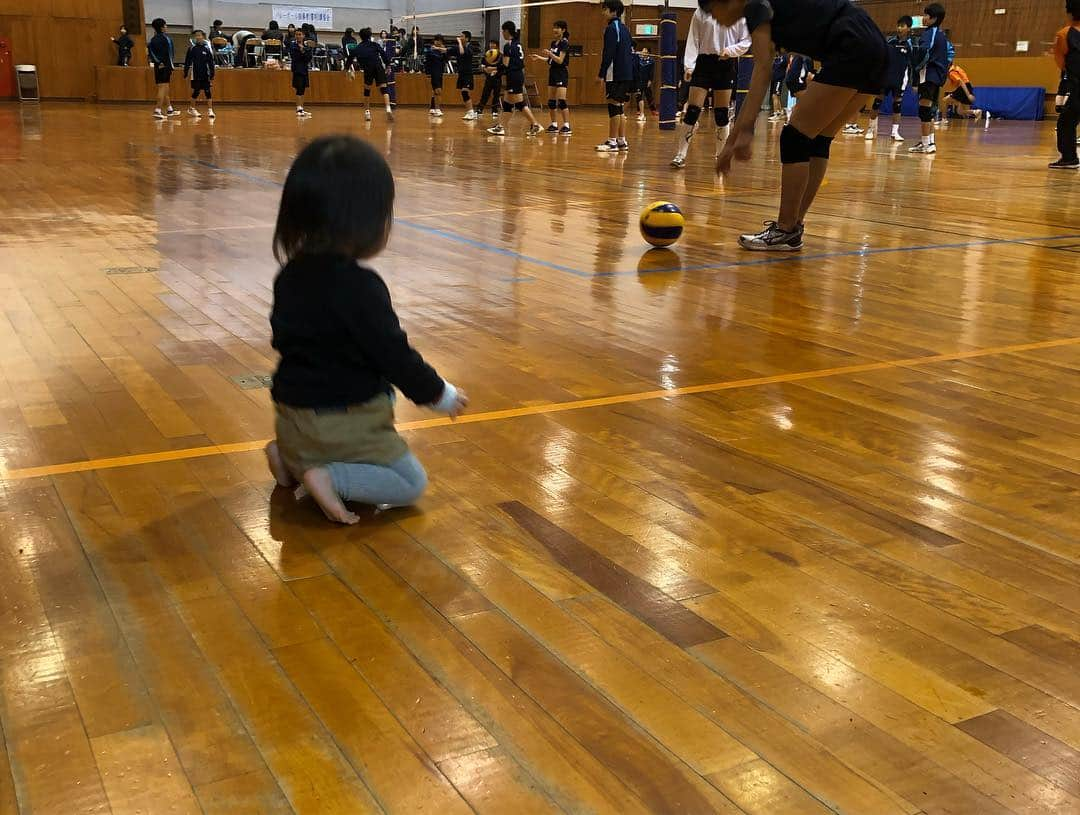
point(399, 484)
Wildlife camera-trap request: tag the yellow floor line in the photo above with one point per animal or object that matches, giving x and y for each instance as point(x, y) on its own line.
point(20, 473)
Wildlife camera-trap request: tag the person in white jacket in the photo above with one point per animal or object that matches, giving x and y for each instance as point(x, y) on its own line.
point(711, 64)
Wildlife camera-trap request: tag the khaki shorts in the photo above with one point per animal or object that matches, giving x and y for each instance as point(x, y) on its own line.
point(361, 434)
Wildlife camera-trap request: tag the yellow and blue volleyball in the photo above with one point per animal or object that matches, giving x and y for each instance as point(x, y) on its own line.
point(662, 223)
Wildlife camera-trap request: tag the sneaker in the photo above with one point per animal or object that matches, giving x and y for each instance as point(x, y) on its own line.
point(497, 130)
point(607, 147)
point(870, 134)
point(852, 130)
point(897, 137)
point(211, 113)
point(678, 162)
point(195, 113)
point(438, 113)
point(642, 117)
point(389, 114)
point(172, 112)
point(622, 146)
point(367, 115)
point(161, 117)
point(534, 130)
point(431, 112)
point(494, 115)
point(566, 131)
point(470, 116)
point(918, 148)
point(773, 239)
point(1063, 164)
point(930, 148)
point(552, 128)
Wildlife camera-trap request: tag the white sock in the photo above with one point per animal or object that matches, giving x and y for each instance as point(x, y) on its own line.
point(896, 129)
point(685, 137)
point(930, 139)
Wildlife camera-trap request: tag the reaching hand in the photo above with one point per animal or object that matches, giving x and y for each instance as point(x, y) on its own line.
point(739, 146)
point(459, 405)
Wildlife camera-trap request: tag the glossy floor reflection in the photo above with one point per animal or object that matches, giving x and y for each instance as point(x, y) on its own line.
point(724, 533)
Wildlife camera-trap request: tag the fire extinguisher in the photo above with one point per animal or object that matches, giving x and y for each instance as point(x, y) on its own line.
point(7, 70)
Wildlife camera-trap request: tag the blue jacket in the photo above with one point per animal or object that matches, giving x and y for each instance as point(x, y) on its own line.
point(199, 62)
point(617, 63)
point(301, 58)
point(161, 50)
point(933, 61)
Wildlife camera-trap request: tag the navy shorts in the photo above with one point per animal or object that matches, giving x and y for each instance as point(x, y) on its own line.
point(618, 92)
point(856, 55)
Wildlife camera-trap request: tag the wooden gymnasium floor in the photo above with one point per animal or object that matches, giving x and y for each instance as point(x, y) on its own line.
point(722, 533)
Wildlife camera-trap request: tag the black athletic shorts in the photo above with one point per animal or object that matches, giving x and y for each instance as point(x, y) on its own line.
point(374, 75)
point(436, 81)
point(558, 76)
point(300, 83)
point(856, 55)
point(958, 95)
point(162, 74)
point(515, 82)
point(198, 85)
point(713, 73)
point(930, 92)
point(466, 80)
point(618, 92)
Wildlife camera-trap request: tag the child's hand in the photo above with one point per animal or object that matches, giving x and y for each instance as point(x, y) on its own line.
point(459, 406)
point(452, 402)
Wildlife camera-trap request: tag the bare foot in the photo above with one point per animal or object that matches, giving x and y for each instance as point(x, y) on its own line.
point(277, 465)
point(321, 487)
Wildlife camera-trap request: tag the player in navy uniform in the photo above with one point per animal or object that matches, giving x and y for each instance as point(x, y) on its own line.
point(369, 56)
point(160, 49)
point(901, 49)
point(932, 64)
point(776, 91)
point(124, 44)
point(853, 57)
point(710, 66)
point(1067, 56)
point(515, 99)
point(300, 53)
point(436, 69)
point(557, 57)
point(644, 68)
point(493, 72)
point(465, 82)
point(799, 73)
point(617, 74)
point(199, 64)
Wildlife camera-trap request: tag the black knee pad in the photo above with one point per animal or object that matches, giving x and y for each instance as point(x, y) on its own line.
point(820, 146)
point(720, 116)
point(926, 114)
point(693, 112)
point(897, 105)
point(367, 91)
point(877, 103)
point(507, 107)
point(563, 105)
point(519, 105)
point(552, 104)
point(614, 110)
point(794, 146)
point(465, 95)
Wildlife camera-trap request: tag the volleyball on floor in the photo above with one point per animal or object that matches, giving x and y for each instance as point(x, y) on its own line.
point(662, 223)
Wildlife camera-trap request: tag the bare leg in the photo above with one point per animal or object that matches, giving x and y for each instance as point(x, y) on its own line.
point(818, 166)
point(320, 486)
point(277, 466)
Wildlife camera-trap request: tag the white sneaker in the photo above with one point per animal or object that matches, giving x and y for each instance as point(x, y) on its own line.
point(622, 146)
point(431, 112)
point(303, 114)
point(930, 148)
point(438, 113)
point(773, 239)
point(678, 162)
point(195, 113)
point(161, 117)
point(642, 117)
point(172, 112)
point(211, 113)
point(608, 147)
point(870, 134)
point(897, 137)
point(367, 115)
point(497, 130)
point(470, 116)
point(534, 130)
point(918, 148)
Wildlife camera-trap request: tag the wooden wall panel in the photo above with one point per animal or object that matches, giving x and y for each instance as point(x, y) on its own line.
point(977, 32)
point(65, 39)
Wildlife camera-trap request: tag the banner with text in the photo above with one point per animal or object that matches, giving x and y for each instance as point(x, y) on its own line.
point(298, 15)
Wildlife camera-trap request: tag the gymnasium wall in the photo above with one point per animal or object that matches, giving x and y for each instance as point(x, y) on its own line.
point(65, 39)
point(255, 15)
point(977, 32)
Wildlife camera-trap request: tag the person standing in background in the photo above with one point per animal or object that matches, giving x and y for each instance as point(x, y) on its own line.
point(160, 49)
point(123, 44)
point(1067, 56)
